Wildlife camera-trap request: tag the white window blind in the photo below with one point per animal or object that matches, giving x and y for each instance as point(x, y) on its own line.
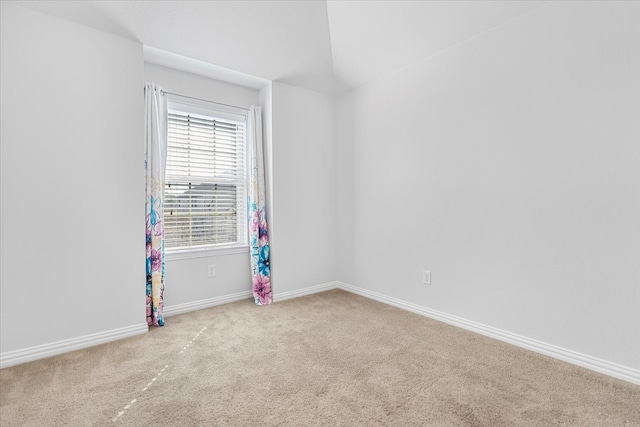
point(205, 180)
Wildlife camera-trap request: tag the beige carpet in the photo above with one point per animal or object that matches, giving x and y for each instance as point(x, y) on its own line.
point(328, 359)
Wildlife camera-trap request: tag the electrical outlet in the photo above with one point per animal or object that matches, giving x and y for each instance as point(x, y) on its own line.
point(426, 277)
point(212, 270)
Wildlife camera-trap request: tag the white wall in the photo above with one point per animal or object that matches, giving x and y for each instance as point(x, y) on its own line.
point(344, 208)
point(72, 181)
point(509, 166)
point(304, 176)
point(186, 281)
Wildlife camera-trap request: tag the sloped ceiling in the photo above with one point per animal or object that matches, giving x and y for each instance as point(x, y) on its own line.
point(327, 46)
point(373, 38)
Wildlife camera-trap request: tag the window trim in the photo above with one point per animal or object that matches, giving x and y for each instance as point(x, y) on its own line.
point(190, 105)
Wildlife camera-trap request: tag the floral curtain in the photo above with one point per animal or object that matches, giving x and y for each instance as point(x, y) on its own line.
point(155, 164)
point(258, 234)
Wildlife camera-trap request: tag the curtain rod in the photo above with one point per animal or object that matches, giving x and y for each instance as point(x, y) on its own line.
point(163, 92)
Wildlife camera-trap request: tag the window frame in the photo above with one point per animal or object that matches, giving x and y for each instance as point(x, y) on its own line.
point(183, 104)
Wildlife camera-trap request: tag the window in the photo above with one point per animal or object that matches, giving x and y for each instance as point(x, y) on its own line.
point(205, 180)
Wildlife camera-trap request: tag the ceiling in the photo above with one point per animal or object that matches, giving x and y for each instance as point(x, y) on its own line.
point(327, 46)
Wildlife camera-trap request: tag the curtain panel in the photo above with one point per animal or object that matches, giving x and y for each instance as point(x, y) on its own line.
point(258, 233)
point(155, 163)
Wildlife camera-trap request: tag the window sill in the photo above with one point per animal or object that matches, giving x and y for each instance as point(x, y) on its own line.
point(205, 252)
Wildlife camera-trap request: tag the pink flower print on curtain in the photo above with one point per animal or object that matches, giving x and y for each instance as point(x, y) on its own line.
point(258, 233)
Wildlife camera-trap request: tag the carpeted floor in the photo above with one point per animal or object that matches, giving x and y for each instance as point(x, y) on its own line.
point(327, 359)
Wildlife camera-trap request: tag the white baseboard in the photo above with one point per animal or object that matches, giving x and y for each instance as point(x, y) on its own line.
point(16, 357)
point(602, 366)
point(625, 373)
point(205, 303)
point(277, 297)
